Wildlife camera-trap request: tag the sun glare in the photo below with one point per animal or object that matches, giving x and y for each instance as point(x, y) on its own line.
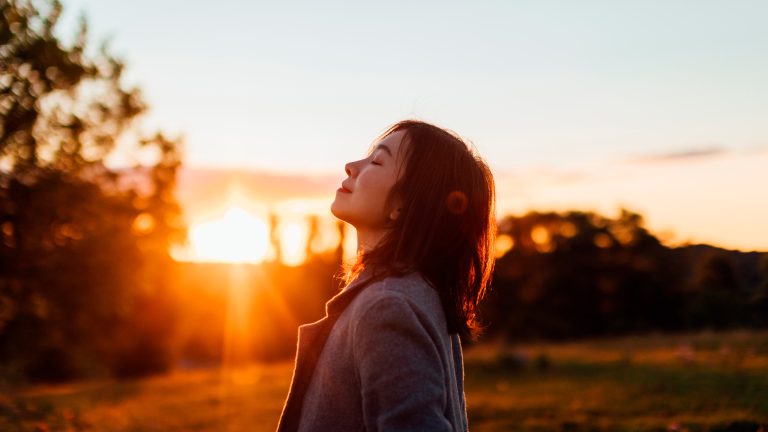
point(292, 241)
point(238, 237)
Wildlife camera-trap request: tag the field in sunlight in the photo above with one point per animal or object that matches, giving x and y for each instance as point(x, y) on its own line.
point(696, 382)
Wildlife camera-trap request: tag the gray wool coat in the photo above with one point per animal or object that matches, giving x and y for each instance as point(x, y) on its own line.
point(389, 363)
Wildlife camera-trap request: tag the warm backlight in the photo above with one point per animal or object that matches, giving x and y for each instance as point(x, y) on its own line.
point(293, 237)
point(238, 237)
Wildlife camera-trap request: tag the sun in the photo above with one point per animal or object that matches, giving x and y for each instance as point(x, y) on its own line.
point(237, 237)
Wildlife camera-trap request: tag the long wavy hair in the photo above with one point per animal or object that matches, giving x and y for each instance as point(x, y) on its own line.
point(447, 223)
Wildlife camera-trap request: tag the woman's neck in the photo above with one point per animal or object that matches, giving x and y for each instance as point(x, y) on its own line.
point(368, 239)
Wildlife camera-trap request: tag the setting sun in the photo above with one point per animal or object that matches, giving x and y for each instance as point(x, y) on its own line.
point(238, 236)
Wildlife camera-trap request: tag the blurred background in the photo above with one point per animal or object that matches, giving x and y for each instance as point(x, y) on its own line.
point(166, 172)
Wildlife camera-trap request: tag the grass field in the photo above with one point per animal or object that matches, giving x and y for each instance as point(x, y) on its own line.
point(694, 382)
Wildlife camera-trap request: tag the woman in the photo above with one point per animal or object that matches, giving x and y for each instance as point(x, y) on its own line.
point(387, 356)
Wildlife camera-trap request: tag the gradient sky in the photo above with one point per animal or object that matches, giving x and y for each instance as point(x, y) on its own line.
point(658, 105)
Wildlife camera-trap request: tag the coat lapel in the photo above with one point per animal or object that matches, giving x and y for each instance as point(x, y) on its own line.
point(311, 340)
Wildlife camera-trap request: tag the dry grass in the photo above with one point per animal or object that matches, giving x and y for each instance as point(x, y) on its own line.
point(694, 382)
point(245, 399)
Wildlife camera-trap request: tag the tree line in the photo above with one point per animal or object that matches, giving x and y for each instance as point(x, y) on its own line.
point(577, 274)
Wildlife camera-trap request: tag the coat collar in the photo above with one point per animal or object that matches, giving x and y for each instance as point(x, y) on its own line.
point(369, 275)
point(340, 301)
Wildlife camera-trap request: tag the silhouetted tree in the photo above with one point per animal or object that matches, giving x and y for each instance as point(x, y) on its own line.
point(579, 274)
point(312, 234)
point(84, 251)
point(758, 301)
point(718, 299)
point(274, 237)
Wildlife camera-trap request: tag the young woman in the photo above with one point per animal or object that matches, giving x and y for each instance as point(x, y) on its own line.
point(387, 356)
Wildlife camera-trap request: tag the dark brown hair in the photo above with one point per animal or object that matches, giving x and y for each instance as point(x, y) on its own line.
point(447, 223)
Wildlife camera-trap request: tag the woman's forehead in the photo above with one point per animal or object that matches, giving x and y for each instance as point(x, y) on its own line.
point(391, 143)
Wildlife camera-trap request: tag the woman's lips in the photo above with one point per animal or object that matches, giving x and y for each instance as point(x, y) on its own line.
point(343, 189)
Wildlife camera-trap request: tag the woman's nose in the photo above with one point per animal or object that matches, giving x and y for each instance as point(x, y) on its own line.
point(348, 168)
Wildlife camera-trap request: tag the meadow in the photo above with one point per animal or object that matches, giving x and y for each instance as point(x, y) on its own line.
point(703, 381)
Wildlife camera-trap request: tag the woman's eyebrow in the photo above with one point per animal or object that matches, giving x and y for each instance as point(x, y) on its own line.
point(385, 148)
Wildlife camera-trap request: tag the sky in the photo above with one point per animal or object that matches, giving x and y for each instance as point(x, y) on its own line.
point(657, 106)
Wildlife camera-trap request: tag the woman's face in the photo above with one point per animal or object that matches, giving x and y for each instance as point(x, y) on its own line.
point(361, 201)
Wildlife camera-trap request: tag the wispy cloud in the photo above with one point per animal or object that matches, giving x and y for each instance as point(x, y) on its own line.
point(679, 155)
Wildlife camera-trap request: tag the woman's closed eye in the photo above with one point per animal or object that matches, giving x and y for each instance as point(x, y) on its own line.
point(375, 162)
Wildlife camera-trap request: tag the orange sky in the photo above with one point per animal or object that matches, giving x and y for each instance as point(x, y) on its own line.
point(708, 195)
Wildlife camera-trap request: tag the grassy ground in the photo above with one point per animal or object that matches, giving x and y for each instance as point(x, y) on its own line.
point(696, 382)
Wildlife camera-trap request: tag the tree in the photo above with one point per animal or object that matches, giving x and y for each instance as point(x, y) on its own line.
point(718, 298)
point(580, 274)
point(83, 247)
point(759, 298)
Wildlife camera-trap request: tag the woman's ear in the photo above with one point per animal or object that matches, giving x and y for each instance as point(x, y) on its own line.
point(396, 205)
point(394, 214)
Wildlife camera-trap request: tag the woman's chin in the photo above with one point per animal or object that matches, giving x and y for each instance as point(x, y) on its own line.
point(336, 211)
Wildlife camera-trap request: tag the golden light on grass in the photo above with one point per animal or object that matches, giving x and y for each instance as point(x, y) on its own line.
point(237, 333)
point(237, 237)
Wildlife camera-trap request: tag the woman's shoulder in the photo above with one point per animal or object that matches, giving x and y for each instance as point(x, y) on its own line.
point(411, 290)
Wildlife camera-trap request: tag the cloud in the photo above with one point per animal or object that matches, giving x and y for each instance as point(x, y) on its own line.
point(679, 155)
